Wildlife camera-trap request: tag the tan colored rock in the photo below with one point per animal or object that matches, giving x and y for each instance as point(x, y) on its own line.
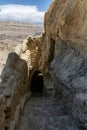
point(67, 19)
point(30, 51)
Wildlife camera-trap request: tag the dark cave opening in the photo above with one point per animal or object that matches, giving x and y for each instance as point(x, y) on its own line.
point(36, 85)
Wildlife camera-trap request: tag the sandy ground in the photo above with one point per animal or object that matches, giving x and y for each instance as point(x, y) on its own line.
point(11, 34)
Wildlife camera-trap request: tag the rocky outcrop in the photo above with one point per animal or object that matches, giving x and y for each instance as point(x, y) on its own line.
point(60, 54)
point(64, 55)
point(30, 51)
point(63, 15)
point(13, 85)
point(15, 81)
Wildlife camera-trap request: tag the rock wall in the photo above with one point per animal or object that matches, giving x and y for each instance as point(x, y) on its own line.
point(15, 78)
point(2, 115)
point(64, 55)
point(13, 85)
point(30, 51)
point(60, 54)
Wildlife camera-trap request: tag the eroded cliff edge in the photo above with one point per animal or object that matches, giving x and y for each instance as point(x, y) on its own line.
point(60, 54)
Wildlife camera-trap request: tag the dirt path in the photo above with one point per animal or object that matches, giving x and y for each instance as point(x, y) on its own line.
point(45, 114)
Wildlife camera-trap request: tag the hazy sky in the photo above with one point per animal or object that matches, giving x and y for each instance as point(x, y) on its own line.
point(23, 10)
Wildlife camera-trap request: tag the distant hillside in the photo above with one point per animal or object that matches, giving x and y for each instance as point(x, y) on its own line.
point(16, 31)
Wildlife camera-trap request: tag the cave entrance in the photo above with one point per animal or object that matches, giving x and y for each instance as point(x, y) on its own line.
point(36, 85)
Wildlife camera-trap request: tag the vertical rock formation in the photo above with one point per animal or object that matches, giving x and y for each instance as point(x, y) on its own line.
point(15, 80)
point(13, 85)
point(64, 55)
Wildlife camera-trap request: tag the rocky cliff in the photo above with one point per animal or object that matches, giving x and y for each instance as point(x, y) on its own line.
point(65, 57)
point(60, 54)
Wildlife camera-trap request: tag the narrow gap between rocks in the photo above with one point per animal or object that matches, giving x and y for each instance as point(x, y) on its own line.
point(36, 85)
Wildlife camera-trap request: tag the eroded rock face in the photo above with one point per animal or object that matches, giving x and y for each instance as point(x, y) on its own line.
point(67, 19)
point(30, 51)
point(13, 85)
point(60, 54)
point(65, 41)
point(14, 82)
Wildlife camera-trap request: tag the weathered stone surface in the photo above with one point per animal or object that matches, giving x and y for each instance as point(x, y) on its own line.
point(2, 115)
point(13, 85)
point(30, 51)
point(64, 54)
point(62, 17)
point(46, 114)
point(60, 54)
point(15, 75)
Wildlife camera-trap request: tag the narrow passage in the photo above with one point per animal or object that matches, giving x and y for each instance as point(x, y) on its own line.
point(41, 113)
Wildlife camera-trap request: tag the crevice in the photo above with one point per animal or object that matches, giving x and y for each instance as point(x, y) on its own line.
point(51, 50)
